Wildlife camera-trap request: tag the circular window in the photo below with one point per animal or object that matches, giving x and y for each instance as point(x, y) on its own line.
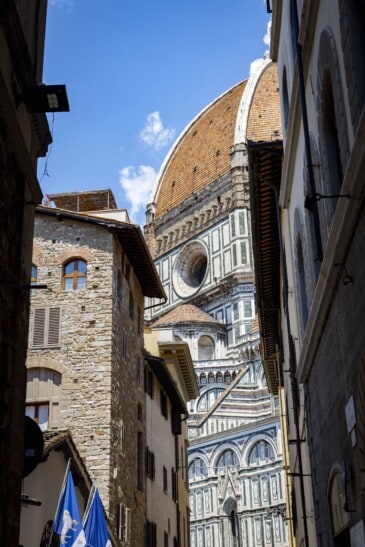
point(190, 269)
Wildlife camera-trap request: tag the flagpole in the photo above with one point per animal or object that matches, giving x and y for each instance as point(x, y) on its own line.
point(60, 497)
point(89, 502)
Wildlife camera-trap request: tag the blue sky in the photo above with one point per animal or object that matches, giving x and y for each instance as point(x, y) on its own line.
point(137, 72)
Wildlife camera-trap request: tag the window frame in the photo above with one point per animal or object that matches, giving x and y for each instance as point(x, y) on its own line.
point(76, 275)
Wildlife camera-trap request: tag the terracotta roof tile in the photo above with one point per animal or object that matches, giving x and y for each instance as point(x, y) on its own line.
point(186, 313)
point(203, 153)
point(264, 120)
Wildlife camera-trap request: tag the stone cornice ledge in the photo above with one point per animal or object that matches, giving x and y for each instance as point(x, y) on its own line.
point(344, 224)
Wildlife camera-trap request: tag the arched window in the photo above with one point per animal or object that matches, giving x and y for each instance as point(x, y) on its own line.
point(43, 389)
point(340, 519)
point(219, 378)
point(198, 469)
point(211, 378)
point(302, 290)
point(206, 348)
point(227, 378)
point(285, 99)
point(208, 398)
point(261, 453)
point(203, 379)
point(227, 459)
point(74, 275)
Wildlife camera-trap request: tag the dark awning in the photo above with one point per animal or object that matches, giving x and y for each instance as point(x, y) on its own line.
point(265, 161)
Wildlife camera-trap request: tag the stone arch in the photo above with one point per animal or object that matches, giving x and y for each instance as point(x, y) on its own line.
point(352, 17)
point(75, 252)
point(332, 124)
point(221, 449)
point(256, 438)
point(40, 361)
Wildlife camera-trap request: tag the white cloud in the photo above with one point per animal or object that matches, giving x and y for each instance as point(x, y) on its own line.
point(267, 36)
point(137, 184)
point(257, 63)
point(62, 3)
point(154, 134)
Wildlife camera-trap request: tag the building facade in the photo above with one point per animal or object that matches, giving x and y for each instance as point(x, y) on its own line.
point(85, 357)
point(317, 244)
point(23, 138)
point(169, 382)
point(199, 232)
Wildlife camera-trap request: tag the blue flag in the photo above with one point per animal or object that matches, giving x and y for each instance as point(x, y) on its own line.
point(68, 524)
point(96, 531)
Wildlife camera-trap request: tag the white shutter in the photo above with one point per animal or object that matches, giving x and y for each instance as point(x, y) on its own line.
point(127, 535)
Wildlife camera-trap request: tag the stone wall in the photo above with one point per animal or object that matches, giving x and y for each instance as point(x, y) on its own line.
point(100, 348)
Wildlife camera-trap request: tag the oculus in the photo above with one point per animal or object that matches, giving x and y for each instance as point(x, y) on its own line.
point(190, 269)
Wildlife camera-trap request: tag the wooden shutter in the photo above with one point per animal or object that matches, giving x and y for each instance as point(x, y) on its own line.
point(46, 332)
point(54, 324)
point(39, 324)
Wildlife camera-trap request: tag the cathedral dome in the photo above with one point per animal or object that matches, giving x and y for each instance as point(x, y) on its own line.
point(202, 153)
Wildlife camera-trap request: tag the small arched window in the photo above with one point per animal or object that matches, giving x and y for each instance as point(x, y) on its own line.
point(74, 275)
point(203, 379)
point(206, 348)
point(227, 378)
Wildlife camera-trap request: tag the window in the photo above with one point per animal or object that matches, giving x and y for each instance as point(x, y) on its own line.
point(340, 519)
point(174, 483)
point(45, 327)
point(140, 461)
point(227, 459)
point(123, 443)
point(39, 412)
point(148, 381)
point(33, 278)
point(42, 397)
point(151, 540)
point(150, 464)
point(197, 469)
point(74, 275)
point(166, 539)
point(164, 472)
point(163, 404)
point(206, 348)
point(124, 344)
point(131, 305)
point(124, 524)
point(261, 453)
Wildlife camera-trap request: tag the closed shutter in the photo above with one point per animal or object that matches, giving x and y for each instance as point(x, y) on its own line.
point(39, 324)
point(46, 331)
point(54, 323)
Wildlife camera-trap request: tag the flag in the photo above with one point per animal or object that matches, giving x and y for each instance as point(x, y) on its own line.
point(96, 531)
point(67, 523)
